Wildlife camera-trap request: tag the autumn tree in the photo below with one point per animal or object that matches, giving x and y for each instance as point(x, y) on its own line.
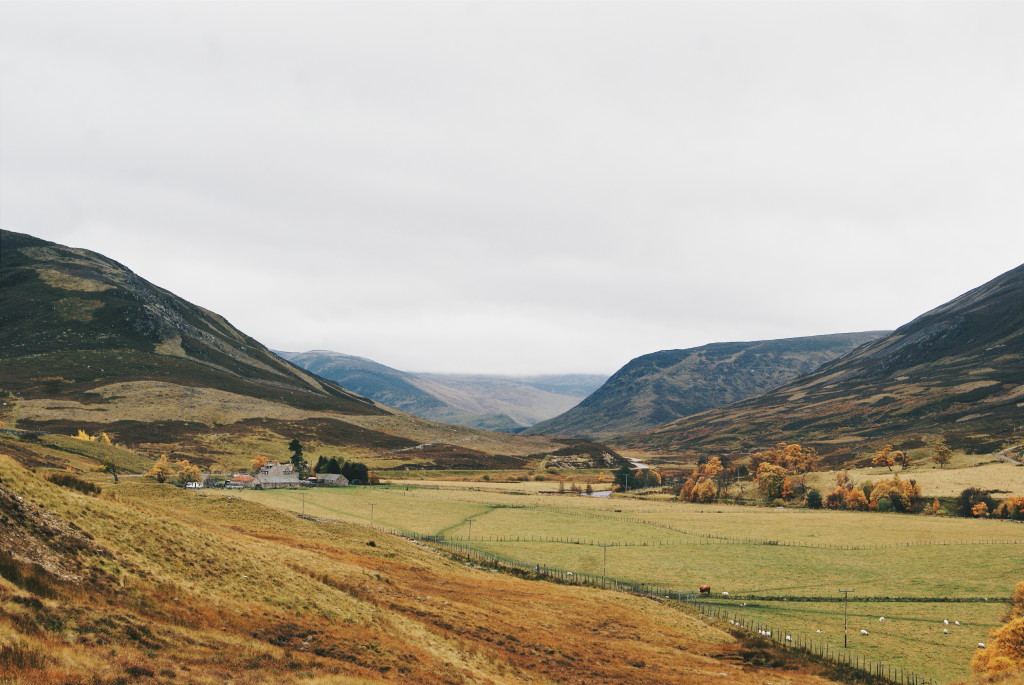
point(1003, 653)
point(187, 473)
point(980, 510)
point(886, 457)
point(941, 454)
point(792, 457)
point(702, 484)
point(970, 498)
point(257, 463)
point(770, 478)
point(903, 495)
point(161, 469)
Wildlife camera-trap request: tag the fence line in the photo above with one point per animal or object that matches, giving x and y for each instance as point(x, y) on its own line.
point(786, 543)
point(790, 640)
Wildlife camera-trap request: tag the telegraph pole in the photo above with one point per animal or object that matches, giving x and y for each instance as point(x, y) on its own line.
point(371, 514)
point(604, 566)
point(470, 522)
point(846, 604)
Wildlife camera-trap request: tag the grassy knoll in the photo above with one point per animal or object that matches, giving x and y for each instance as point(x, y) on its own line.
point(682, 546)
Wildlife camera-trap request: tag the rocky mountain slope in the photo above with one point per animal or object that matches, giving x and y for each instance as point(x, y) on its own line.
point(956, 371)
point(503, 403)
point(87, 344)
point(659, 387)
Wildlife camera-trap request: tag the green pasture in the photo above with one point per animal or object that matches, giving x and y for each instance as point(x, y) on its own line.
point(682, 546)
point(911, 637)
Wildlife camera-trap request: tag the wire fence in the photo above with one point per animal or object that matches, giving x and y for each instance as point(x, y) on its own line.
point(786, 543)
point(878, 671)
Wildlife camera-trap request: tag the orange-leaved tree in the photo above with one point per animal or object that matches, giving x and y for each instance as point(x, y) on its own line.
point(701, 485)
point(792, 457)
point(257, 463)
point(887, 457)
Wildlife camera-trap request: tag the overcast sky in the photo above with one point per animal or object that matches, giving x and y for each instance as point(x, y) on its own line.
point(524, 187)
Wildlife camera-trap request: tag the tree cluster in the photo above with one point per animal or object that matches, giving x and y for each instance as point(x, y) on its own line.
point(181, 471)
point(793, 458)
point(629, 477)
point(355, 472)
point(887, 494)
point(889, 457)
point(975, 502)
point(703, 484)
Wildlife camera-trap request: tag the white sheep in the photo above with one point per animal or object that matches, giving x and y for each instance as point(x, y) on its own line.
point(725, 594)
point(946, 621)
point(881, 619)
point(956, 622)
point(945, 631)
point(863, 632)
point(789, 639)
point(981, 645)
point(818, 630)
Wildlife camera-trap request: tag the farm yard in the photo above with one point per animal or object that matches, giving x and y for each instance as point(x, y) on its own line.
point(782, 568)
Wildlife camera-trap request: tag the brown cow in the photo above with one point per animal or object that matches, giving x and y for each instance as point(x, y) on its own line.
point(705, 589)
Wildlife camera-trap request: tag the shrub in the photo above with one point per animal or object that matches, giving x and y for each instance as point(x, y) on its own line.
point(66, 480)
point(813, 500)
point(970, 498)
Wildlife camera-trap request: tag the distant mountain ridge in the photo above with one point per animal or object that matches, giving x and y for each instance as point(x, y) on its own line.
point(503, 403)
point(957, 371)
point(662, 386)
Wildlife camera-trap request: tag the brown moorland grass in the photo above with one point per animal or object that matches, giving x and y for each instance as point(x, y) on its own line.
point(177, 586)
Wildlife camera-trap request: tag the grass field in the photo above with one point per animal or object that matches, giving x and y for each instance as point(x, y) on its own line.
point(753, 553)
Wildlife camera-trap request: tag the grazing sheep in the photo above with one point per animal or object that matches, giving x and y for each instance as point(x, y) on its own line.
point(981, 645)
point(725, 594)
point(789, 639)
point(881, 619)
point(945, 631)
point(818, 630)
point(956, 622)
point(946, 621)
point(863, 632)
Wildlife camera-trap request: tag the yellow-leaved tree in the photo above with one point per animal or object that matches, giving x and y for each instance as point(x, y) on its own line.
point(1003, 653)
point(257, 463)
point(187, 473)
point(161, 469)
point(770, 479)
